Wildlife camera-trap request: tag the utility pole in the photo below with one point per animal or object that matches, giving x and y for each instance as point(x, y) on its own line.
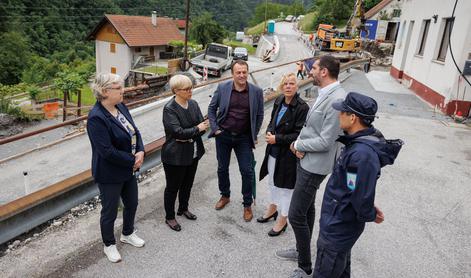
point(266, 6)
point(187, 19)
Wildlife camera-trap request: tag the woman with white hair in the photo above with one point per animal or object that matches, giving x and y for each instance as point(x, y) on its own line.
point(117, 153)
point(184, 124)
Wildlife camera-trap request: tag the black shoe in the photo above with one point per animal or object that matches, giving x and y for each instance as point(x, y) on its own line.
point(273, 233)
point(187, 214)
point(261, 219)
point(175, 227)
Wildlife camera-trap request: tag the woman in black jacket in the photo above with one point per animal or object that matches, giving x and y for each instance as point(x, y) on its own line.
point(287, 119)
point(184, 124)
point(117, 153)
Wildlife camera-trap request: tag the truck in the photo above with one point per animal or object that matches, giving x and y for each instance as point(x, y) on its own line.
point(329, 38)
point(216, 59)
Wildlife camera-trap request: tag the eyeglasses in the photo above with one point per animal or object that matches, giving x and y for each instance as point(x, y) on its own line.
point(116, 88)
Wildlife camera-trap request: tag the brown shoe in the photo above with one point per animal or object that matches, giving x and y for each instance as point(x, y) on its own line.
point(248, 215)
point(222, 203)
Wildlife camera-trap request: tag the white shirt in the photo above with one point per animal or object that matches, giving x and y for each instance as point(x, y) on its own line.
point(322, 92)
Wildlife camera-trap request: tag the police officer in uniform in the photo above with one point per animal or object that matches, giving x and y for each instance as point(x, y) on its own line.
point(350, 192)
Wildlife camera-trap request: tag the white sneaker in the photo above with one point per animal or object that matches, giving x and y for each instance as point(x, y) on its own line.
point(112, 253)
point(132, 239)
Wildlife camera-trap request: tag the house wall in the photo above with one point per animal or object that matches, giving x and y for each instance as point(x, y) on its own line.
point(146, 50)
point(105, 59)
point(437, 82)
point(389, 9)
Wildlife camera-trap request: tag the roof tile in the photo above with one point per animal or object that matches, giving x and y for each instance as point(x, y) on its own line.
point(139, 31)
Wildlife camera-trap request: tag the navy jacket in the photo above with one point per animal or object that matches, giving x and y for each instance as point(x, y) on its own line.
point(112, 158)
point(350, 192)
point(219, 106)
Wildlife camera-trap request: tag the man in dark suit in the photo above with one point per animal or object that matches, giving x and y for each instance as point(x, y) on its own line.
point(236, 115)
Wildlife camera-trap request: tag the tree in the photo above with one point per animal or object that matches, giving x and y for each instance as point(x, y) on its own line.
point(333, 11)
point(13, 57)
point(204, 30)
point(368, 4)
point(69, 82)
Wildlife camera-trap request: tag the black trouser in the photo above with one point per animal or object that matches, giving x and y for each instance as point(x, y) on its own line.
point(179, 181)
point(302, 213)
point(300, 72)
point(109, 195)
point(330, 263)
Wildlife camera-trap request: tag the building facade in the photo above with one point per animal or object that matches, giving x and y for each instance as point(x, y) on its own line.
point(382, 21)
point(123, 41)
point(422, 58)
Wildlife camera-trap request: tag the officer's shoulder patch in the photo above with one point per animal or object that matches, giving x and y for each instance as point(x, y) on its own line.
point(351, 180)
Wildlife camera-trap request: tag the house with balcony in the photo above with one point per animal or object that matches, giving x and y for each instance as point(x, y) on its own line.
point(123, 42)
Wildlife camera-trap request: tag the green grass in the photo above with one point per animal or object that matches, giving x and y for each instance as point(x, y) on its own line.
point(257, 29)
point(154, 70)
point(235, 44)
point(307, 23)
point(87, 96)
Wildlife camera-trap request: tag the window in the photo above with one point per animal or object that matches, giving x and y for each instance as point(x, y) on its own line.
point(138, 49)
point(113, 70)
point(112, 48)
point(396, 13)
point(444, 43)
point(425, 27)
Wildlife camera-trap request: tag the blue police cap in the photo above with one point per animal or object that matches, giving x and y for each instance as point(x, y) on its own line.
point(361, 105)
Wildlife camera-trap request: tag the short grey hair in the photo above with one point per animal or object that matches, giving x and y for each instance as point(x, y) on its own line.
point(180, 81)
point(104, 81)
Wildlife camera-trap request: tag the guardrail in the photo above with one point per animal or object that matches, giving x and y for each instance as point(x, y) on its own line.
point(25, 213)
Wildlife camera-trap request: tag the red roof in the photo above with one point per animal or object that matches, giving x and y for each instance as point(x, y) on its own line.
point(138, 30)
point(181, 23)
point(376, 9)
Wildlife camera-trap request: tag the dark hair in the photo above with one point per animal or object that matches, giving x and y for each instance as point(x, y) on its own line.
point(239, 62)
point(330, 63)
point(364, 121)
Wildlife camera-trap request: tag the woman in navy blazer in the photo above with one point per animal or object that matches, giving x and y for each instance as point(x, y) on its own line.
point(117, 153)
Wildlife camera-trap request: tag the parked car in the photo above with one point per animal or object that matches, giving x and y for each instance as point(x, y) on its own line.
point(241, 53)
point(289, 18)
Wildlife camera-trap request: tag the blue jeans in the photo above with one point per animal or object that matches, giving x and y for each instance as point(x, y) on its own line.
point(302, 213)
point(110, 193)
point(242, 146)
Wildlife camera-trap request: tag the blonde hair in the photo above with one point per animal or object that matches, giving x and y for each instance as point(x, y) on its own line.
point(283, 80)
point(180, 81)
point(104, 81)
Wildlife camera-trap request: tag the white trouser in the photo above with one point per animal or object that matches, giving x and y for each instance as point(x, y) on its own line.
point(281, 197)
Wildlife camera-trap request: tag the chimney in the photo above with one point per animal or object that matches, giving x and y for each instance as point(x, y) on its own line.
point(154, 18)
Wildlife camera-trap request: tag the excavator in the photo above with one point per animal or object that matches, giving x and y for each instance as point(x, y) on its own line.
point(329, 38)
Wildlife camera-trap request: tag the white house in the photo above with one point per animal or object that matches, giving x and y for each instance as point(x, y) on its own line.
point(121, 40)
point(382, 21)
point(423, 56)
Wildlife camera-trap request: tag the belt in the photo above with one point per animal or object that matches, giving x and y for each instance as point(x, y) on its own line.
point(232, 132)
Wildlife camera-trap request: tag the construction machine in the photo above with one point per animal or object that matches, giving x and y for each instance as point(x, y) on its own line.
point(329, 38)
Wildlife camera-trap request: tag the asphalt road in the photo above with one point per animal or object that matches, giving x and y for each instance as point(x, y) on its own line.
point(50, 165)
point(424, 195)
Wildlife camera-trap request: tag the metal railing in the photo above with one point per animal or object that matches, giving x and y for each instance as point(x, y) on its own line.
point(27, 212)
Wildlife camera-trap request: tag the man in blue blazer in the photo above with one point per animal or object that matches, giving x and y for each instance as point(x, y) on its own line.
point(236, 115)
